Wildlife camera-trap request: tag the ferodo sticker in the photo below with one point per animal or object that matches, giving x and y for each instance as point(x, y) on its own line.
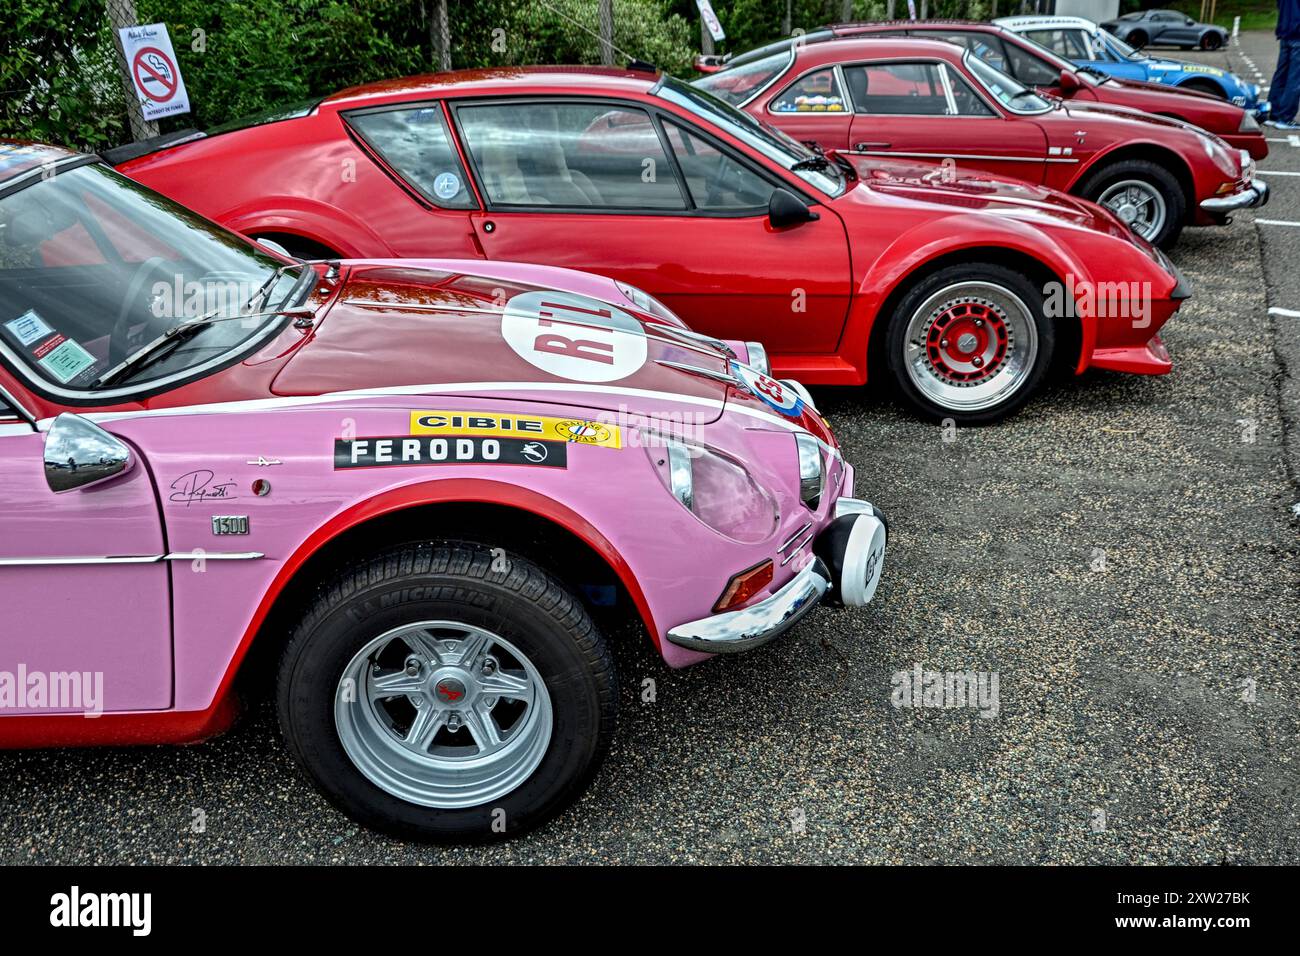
point(407, 450)
point(781, 397)
point(508, 425)
point(574, 337)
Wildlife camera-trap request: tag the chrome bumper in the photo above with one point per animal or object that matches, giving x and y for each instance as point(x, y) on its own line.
point(1253, 196)
point(734, 631)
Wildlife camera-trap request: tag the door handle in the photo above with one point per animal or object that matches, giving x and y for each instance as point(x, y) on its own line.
point(863, 146)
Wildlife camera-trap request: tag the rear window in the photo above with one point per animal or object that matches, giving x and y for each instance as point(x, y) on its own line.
point(286, 112)
point(738, 84)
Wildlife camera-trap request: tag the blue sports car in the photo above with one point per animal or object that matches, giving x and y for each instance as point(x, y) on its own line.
point(1087, 45)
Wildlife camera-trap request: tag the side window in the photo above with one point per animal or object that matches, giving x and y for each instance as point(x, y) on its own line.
point(1030, 69)
point(1068, 44)
point(583, 155)
point(897, 88)
point(815, 93)
point(715, 180)
point(415, 142)
point(968, 102)
point(985, 46)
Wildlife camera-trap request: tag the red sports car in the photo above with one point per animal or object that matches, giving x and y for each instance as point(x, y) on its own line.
point(955, 287)
point(928, 99)
point(1035, 65)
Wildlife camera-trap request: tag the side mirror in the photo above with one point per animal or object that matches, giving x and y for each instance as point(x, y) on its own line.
point(787, 209)
point(78, 454)
point(1068, 81)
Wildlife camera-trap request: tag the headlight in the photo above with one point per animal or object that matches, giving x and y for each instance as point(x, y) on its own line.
point(758, 357)
point(1248, 123)
point(812, 470)
point(713, 487)
point(1214, 149)
point(647, 303)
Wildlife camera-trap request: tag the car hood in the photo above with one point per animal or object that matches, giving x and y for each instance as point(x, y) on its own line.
point(960, 188)
point(1086, 110)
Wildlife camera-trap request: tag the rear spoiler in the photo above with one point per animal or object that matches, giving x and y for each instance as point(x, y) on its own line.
point(122, 154)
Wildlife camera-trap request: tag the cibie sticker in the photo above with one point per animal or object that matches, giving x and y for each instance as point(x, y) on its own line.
point(574, 337)
point(28, 328)
point(512, 425)
point(446, 185)
point(408, 450)
point(767, 389)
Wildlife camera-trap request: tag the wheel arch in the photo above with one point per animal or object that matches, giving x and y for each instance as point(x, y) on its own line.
point(1150, 152)
point(300, 218)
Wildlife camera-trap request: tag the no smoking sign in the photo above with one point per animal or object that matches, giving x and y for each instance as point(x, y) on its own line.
point(154, 71)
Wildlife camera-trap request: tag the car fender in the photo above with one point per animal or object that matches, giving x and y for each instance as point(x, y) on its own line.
point(308, 218)
point(1185, 173)
point(937, 238)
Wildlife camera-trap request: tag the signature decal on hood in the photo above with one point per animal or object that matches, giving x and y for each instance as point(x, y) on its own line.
point(406, 450)
point(573, 336)
point(510, 425)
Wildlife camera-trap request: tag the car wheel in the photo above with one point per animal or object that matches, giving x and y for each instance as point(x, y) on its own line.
point(970, 342)
point(1205, 86)
point(1137, 39)
point(444, 691)
point(1145, 196)
point(1211, 41)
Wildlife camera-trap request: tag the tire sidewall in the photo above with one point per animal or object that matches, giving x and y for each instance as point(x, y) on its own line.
point(310, 680)
point(1012, 282)
point(1149, 172)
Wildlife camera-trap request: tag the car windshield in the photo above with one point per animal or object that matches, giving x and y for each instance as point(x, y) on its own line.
point(825, 176)
point(1011, 93)
point(741, 82)
point(1118, 46)
point(94, 266)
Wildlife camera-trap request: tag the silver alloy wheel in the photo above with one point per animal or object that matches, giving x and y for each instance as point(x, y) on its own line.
point(443, 714)
point(1138, 204)
point(971, 346)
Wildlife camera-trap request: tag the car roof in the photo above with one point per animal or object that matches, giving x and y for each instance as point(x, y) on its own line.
point(19, 158)
point(849, 47)
point(831, 41)
point(1060, 23)
point(502, 81)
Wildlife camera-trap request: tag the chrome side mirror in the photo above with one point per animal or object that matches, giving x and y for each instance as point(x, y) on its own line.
point(78, 454)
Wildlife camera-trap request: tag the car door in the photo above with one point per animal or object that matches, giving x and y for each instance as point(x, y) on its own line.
point(924, 109)
point(813, 109)
point(85, 618)
point(593, 184)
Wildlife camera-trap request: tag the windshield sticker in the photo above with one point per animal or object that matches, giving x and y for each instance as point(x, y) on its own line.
point(768, 390)
point(508, 425)
point(64, 359)
point(404, 450)
point(446, 185)
point(29, 327)
point(574, 337)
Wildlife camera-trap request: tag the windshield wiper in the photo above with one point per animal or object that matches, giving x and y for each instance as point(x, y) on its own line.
point(812, 162)
point(151, 352)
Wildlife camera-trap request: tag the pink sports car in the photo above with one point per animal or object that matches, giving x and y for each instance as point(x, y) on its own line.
point(406, 489)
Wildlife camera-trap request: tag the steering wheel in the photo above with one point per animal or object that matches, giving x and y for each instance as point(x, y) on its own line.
point(120, 341)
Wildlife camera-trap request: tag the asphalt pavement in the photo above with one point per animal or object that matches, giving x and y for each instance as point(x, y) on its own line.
point(1121, 555)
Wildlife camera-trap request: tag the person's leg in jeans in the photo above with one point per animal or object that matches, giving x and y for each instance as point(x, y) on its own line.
point(1284, 90)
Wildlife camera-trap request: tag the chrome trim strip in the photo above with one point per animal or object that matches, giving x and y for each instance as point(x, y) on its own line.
point(132, 558)
point(789, 557)
point(735, 631)
point(706, 372)
point(793, 538)
point(958, 157)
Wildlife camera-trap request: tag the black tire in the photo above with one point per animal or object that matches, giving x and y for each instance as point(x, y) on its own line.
point(450, 581)
point(1211, 41)
point(1157, 176)
point(1137, 39)
point(1012, 282)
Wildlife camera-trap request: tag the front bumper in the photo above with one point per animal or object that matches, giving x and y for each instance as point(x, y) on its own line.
point(1252, 196)
point(847, 562)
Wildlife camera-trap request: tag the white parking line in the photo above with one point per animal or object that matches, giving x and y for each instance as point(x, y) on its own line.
point(1293, 139)
point(1264, 173)
point(1289, 313)
point(1277, 222)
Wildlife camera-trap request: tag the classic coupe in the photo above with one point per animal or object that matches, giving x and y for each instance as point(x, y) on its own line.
point(1047, 70)
point(946, 287)
point(1086, 44)
point(922, 98)
point(1166, 28)
point(405, 491)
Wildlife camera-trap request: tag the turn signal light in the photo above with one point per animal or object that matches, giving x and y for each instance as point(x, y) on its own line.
point(744, 586)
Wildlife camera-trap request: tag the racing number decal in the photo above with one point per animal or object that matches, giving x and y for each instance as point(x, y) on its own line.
point(770, 391)
point(574, 337)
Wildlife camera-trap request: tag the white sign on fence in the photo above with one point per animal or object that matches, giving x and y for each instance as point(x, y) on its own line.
point(711, 21)
point(151, 61)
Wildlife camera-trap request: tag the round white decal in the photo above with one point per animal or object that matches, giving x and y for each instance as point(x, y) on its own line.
point(574, 337)
point(446, 185)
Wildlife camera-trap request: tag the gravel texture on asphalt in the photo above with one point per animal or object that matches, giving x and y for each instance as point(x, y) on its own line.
point(1121, 554)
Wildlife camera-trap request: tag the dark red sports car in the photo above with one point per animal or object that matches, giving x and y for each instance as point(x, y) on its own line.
point(926, 99)
point(953, 287)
